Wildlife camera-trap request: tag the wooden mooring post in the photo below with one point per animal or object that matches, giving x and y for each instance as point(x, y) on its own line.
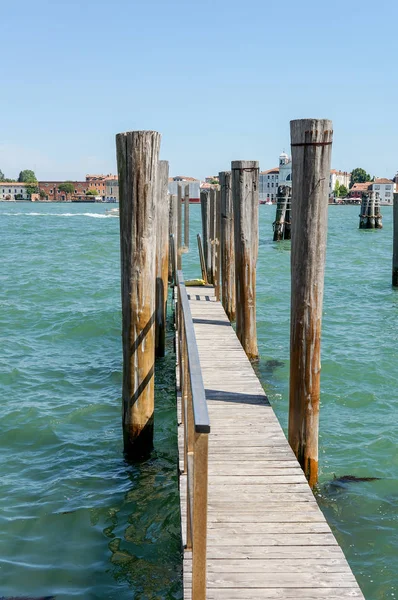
point(216, 245)
point(205, 213)
point(162, 255)
point(179, 226)
point(395, 243)
point(245, 205)
point(173, 228)
point(186, 218)
point(282, 230)
point(227, 245)
point(370, 217)
point(212, 234)
point(311, 141)
point(137, 161)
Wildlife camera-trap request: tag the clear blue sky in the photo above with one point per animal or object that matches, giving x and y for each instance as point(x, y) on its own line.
point(219, 79)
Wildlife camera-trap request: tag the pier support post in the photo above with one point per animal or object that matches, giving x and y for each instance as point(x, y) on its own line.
point(216, 245)
point(227, 245)
point(311, 141)
point(137, 161)
point(281, 232)
point(212, 233)
point(245, 202)
point(173, 228)
point(179, 227)
point(162, 255)
point(186, 218)
point(395, 243)
point(205, 212)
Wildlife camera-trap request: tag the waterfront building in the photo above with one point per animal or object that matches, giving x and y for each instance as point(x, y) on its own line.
point(269, 180)
point(112, 189)
point(384, 187)
point(51, 192)
point(13, 190)
point(343, 177)
point(194, 186)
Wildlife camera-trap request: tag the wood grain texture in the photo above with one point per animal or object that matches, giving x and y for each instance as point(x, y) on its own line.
point(227, 245)
point(162, 255)
point(137, 160)
point(395, 243)
point(186, 217)
point(173, 228)
point(245, 206)
point(179, 226)
point(205, 213)
point(311, 157)
point(266, 536)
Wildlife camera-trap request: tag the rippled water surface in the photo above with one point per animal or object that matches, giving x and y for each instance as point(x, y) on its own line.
point(76, 520)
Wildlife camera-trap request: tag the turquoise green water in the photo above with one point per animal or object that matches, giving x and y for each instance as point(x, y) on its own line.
point(76, 520)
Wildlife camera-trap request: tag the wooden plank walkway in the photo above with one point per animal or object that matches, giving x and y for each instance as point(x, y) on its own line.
point(267, 538)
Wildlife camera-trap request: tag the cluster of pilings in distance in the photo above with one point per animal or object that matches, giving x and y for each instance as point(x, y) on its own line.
point(370, 217)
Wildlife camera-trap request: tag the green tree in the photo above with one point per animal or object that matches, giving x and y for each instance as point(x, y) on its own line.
point(67, 187)
point(337, 188)
point(2, 178)
point(32, 189)
point(42, 194)
point(359, 175)
point(343, 192)
point(92, 192)
point(27, 176)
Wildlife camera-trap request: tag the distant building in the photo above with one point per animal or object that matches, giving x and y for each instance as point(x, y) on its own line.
point(50, 190)
point(99, 183)
point(12, 190)
point(269, 180)
point(213, 179)
point(112, 189)
point(358, 189)
point(343, 177)
point(194, 186)
point(384, 187)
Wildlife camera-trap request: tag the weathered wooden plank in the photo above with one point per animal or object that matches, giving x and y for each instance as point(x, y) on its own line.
point(261, 511)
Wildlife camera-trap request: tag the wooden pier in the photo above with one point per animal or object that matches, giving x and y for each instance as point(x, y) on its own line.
point(266, 536)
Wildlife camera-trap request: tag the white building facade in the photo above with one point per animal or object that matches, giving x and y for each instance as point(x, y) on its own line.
point(385, 189)
point(11, 190)
point(194, 187)
point(269, 180)
point(343, 177)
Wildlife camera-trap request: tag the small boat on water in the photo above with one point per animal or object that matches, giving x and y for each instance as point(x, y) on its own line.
point(112, 212)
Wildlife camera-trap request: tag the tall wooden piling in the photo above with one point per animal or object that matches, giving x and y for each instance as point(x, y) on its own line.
point(281, 232)
point(227, 245)
point(212, 234)
point(173, 227)
point(179, 227)
point(216, 245)
point(395, 243)
point(137, 160)
point(162, 255)
point(245, 206)
point(311, 141)
point(205, 213)
point(186, 218)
